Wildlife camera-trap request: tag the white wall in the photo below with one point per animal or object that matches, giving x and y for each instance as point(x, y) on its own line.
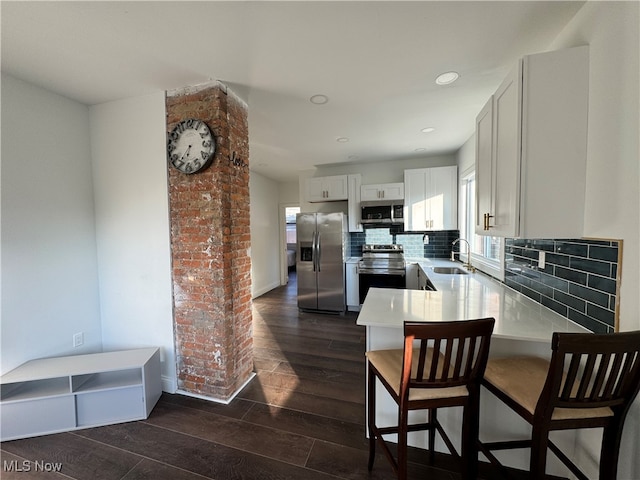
point(48, 265)
point(132, 223)
point(611, 29)
point(265, 234)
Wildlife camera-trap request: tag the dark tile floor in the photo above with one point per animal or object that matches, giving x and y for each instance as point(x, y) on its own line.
point(302, 417)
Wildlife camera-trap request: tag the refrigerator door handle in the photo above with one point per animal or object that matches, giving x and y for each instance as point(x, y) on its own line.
point(318, 251)
point(314, 251)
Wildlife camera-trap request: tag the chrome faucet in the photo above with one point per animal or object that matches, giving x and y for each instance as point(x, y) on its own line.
point(467, 265)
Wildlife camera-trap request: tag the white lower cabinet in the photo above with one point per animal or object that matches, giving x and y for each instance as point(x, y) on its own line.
point(412, 276)
point(66, 393)
point(353, 285)
point(416, 278)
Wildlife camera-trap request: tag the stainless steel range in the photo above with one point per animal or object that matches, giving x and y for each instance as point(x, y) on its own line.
point(381, 266)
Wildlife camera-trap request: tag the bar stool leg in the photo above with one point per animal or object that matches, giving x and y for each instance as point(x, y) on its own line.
point(539, 445)
point(470, 434)
point(403, 430)
point(610, 449)
point(371, 393)
point(433, 418)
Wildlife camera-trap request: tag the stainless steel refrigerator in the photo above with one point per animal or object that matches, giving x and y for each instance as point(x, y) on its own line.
point(323, 242)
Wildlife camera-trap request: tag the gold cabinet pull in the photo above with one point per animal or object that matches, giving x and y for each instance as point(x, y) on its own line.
point(487, 216)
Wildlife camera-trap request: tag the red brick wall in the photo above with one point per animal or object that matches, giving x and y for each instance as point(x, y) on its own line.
point(210, 241)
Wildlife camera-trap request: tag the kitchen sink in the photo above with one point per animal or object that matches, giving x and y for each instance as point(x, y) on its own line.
point(449, 270)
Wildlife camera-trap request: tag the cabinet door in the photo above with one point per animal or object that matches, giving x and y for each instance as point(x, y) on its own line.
point(315, 189)
point(484, 158)
point(392, 191)
point(355, 224)
point(412, 276)
point(369, 192)
point(442, 198)
point(353, 285)
point(337, 188)
point(506, 158)
point(415, 202)
point(327, 189)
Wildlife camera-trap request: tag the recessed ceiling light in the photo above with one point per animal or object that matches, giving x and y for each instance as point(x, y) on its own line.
point(319, 99)
point(428, 130)
point(447, 78)
point(342, 139)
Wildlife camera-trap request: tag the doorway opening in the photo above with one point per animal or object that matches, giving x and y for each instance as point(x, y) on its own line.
point(288, 214)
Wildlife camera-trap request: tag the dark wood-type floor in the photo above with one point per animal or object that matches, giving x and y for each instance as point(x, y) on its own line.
point(302, 417)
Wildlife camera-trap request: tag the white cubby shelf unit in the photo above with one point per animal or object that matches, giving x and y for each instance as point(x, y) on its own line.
point(60, 394)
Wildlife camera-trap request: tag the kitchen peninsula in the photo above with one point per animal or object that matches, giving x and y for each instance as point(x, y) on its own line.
point(522, 327)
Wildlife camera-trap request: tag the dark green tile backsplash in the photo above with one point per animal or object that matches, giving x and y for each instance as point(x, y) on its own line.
point(578, 281)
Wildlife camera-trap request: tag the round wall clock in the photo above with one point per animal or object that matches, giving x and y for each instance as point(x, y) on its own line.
point(191, 146)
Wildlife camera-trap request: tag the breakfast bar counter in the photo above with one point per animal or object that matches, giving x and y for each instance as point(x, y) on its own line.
point(462, 297)
point(522, 327)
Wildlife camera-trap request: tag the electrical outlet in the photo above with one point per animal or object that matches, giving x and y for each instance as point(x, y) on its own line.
point(425, 239)
point(78, 339)
point(541, 260)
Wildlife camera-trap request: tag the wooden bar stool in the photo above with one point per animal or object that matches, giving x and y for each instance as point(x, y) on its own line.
point(445, 371)
point(590, 382)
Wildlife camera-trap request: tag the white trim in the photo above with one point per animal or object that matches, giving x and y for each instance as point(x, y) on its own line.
point(169, 384)
point(266, 289)
point(218, 400)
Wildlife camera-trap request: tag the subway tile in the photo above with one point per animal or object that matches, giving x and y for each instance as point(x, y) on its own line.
point(571, 275)
point(554, 282)
point(578, 281)
point(591, 323)
point(604, 315)
point(532, 294)
point(575, 249)
point(609, 254)
point(589, 294)
point(604, 284)
point(569, 300)
point(591, 266)
point(555, 306)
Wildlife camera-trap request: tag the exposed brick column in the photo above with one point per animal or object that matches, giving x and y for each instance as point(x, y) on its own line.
point(210, 241)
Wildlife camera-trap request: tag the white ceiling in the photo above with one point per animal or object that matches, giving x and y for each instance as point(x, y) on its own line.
point(375, 60)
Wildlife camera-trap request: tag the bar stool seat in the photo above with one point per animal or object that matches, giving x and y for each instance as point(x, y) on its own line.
point(444, 370)
point(590, 382)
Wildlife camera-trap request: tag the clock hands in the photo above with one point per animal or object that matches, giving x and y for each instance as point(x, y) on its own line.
point(186, 154)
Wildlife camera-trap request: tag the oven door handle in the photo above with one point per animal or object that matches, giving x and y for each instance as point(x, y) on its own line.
point(374, 271)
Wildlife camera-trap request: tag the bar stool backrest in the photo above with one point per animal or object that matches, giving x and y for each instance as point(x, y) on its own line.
point(591, 371)
point(451, 354)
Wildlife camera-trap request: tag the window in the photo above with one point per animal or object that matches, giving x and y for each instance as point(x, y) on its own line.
point(486, 252)
point(290, 218)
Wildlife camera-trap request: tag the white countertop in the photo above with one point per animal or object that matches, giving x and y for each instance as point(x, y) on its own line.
point(464, 297)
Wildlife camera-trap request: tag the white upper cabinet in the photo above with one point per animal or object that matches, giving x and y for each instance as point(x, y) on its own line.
point(384, 191)
point(531, 141)
point(327, 189)
point(431, 199)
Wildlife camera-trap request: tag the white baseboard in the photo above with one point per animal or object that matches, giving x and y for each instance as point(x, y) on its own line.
point(263, 290)
point(217, 400)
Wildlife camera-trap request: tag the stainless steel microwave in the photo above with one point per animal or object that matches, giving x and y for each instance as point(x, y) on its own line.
point(376, 213)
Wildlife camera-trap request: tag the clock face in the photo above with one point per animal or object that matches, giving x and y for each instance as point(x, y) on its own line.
point(191, 146)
